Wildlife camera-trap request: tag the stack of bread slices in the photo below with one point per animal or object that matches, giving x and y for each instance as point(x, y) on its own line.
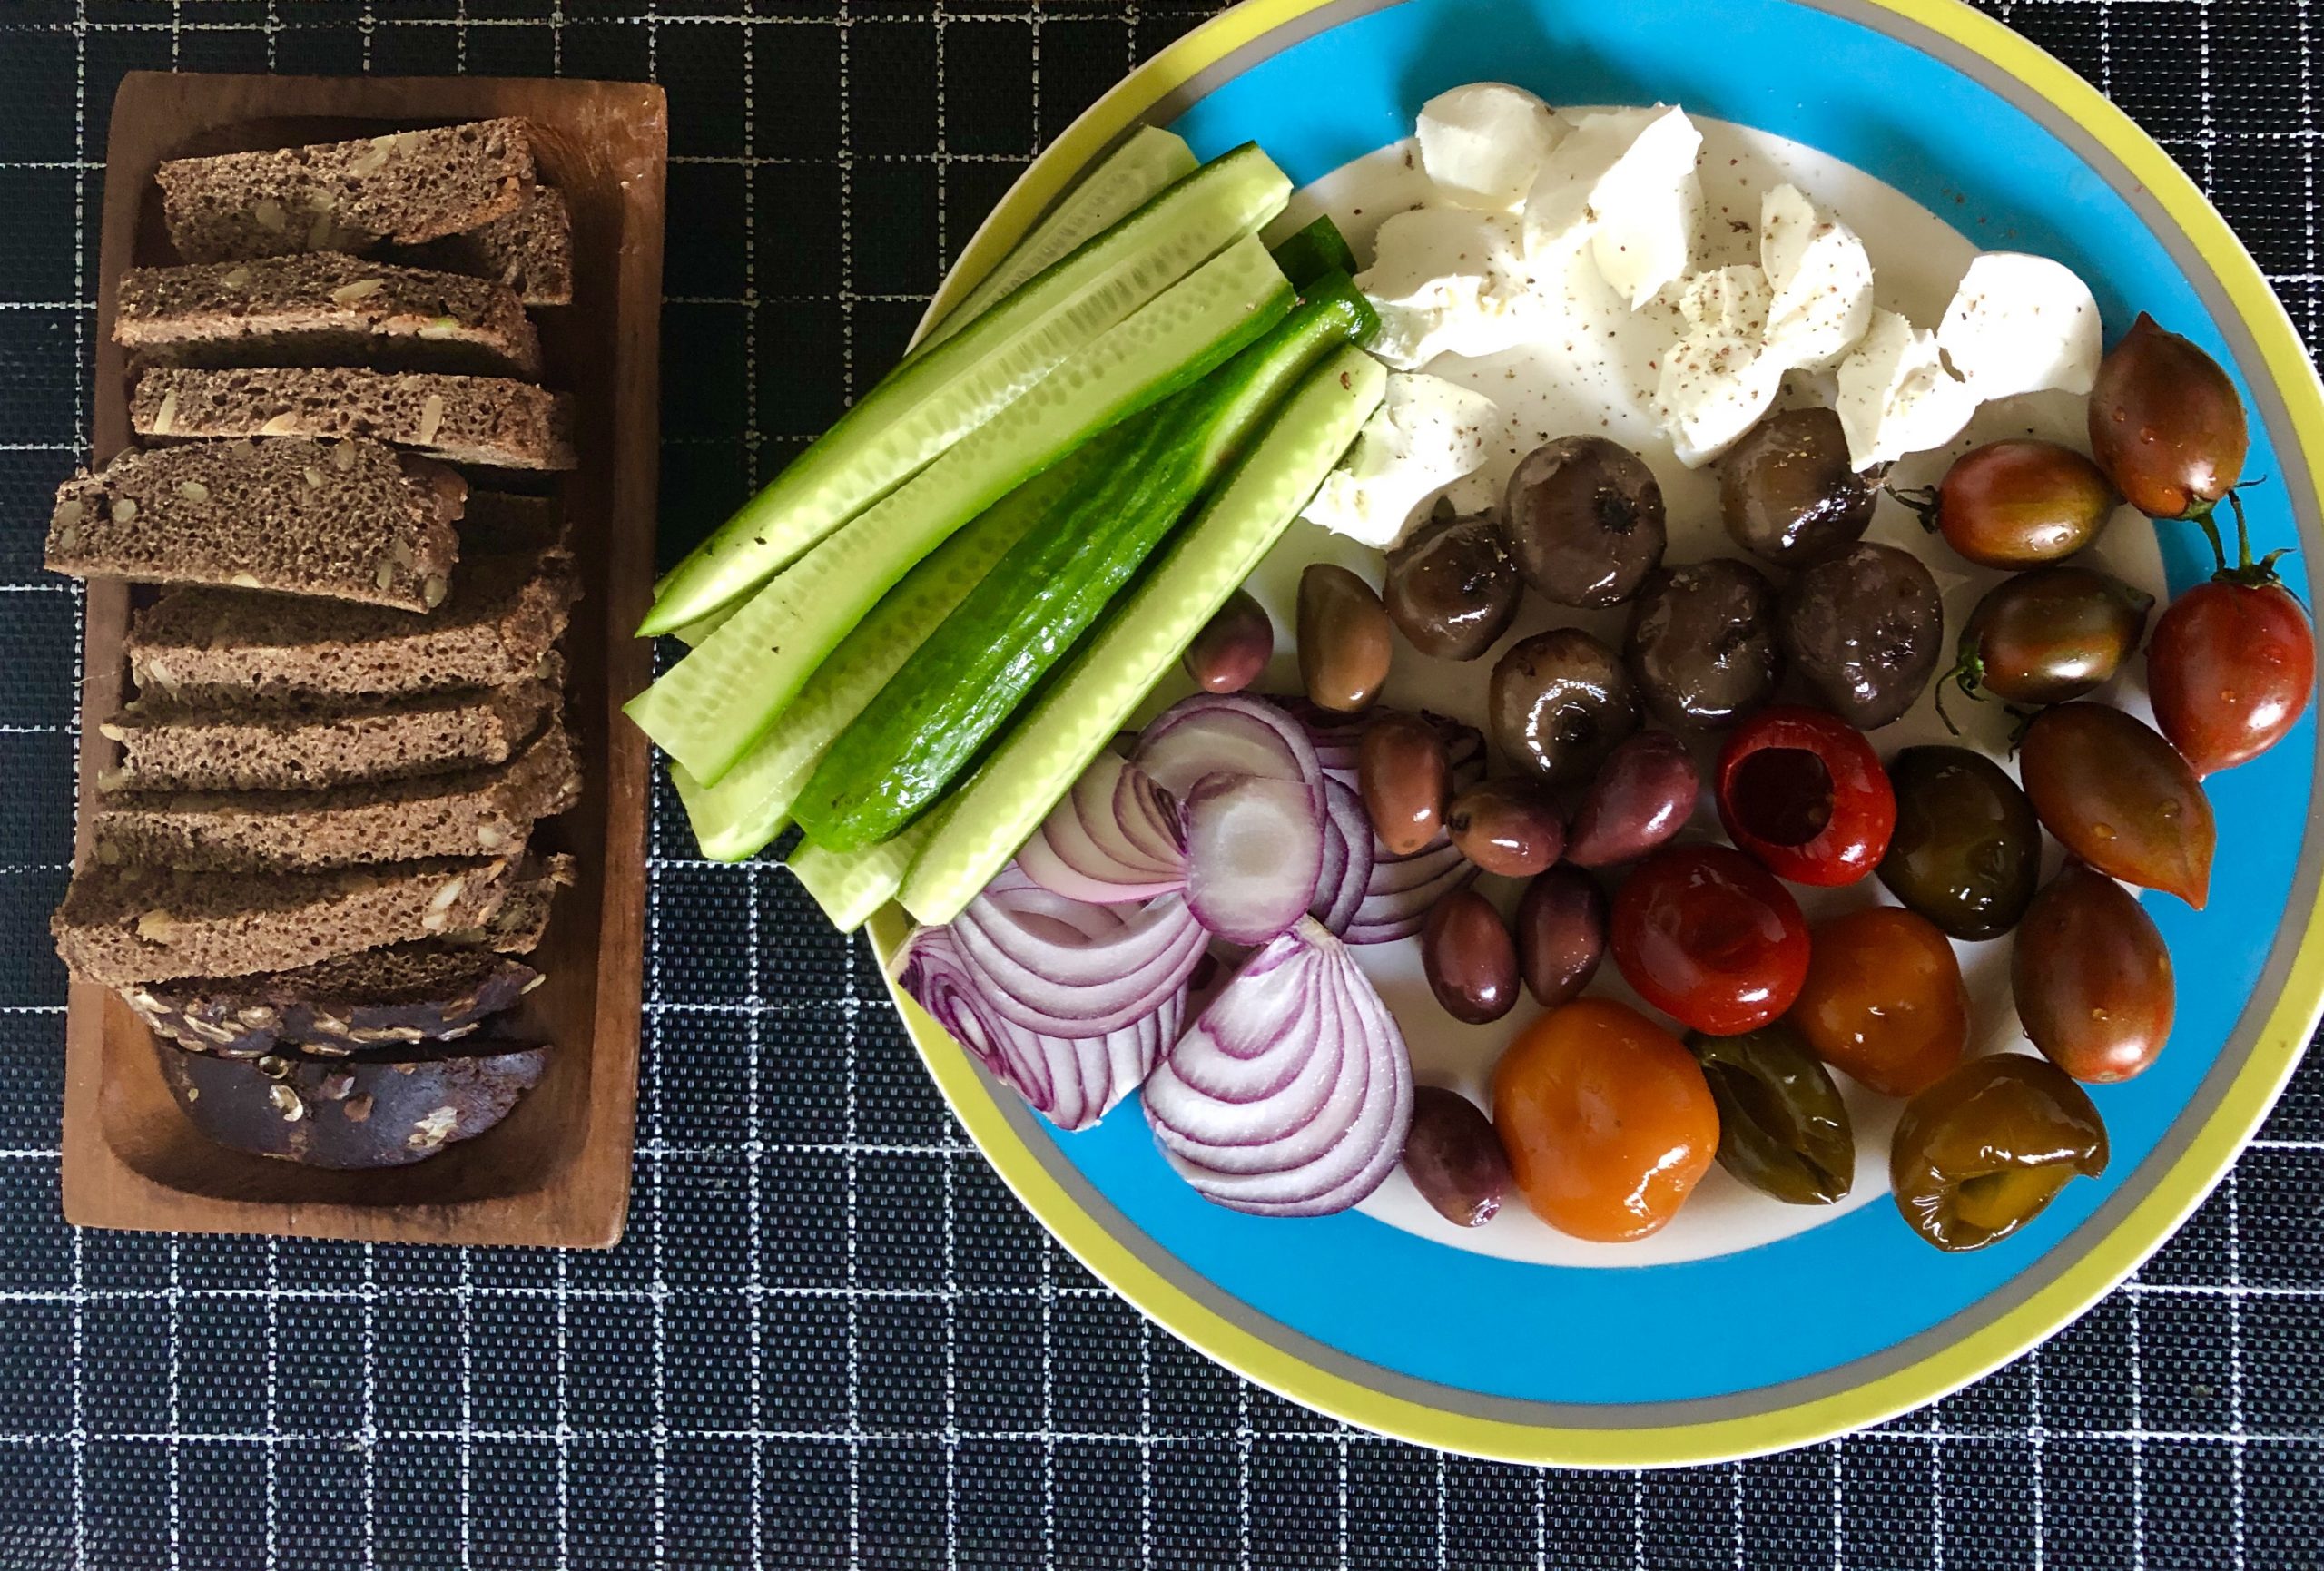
point(311, 868)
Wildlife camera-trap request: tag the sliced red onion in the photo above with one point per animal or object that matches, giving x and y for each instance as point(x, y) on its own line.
point(1398, 895)
point(1292, 1094)
point(1253, 850)
point(1227, 733)
point(1066, 968)
point(1086, 849)
point(1351, 832)
point(1148, 816)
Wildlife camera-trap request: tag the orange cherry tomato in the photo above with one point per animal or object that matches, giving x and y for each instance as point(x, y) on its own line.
point(1883, 1001)
point(1607, 1120)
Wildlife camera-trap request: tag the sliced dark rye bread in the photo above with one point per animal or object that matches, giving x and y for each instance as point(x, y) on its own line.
point(530, 249)
point(493, 420)
point(352, 520)
point(407, 186)
point(120, 924)
point(399, 1105)
point(521, 923)
point(499, 523)
point(216, 647)
point(477, 813)
point(430, 991)
point(324, 309)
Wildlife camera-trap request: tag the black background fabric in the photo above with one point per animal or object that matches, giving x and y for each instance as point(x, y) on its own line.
point(831, 1338)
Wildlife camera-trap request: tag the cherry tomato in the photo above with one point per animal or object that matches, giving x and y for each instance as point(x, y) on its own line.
point(2230, 668)
point(2049, 636)
point(1709, 937)
point(2118, 796)
point(1608, 1122)
point(1803, 792)
point(2165, 423)
point(1981, 1152)
point(1883, 1001)
point(2091, 978)
point(2017, 503)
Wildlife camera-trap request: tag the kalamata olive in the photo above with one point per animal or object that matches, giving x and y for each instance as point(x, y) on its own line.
point(1981, 1152)
point(1560, 934)
point(2018, 503)
point(2165, 423)
point(1867, 629)
point(1404, 776)
point(1643, 794)
point(1452, 588)
point(1453, 1157)
point(1788, 492)
point(1345, 639)
point(1884, 1001)
point(1782, 1126)
point(1507, 826)
point(2049, 636)
point(1584, 519)
point(1233, 648)
point(1560, 701)
point(1470, 963)
point(1966, 853)
point(2091, 978)
point(2120, 796)
point(1702, 642)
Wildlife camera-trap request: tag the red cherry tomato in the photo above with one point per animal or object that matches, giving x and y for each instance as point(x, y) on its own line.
point(1803, 792)
point(1709, 937)
point(2229, 668)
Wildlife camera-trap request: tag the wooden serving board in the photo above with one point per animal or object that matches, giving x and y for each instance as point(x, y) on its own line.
point(556, 1172)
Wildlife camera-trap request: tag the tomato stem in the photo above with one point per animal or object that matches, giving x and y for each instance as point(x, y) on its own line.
point(2202, 519)
point(2249, 574)
point(1921, 499)
point(1967, 674)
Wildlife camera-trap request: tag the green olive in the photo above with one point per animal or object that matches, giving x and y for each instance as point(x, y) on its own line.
point(1782, 1126)
point(1981, 1152)
point(1967, 849)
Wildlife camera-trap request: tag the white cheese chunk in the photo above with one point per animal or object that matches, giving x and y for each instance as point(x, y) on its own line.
point(1896, 396)
point(1718, 378)
point(1822, 279)
point(1446, 279)
point(1426, 434)
point(1484, 144)
point(2022, 324)
point(1648, 207)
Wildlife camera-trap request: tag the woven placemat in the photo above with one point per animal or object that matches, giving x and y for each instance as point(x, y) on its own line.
point(831, 1338)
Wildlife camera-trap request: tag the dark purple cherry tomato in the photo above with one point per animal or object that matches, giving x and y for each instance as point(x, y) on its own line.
point(1709, 937)
point(2091, 978)
point(2230, 668)
point(1643, 794)
point(2049, 636)
point(2165, 423)
point(2117, 795)
point(2018, 503)
point(1804, 792)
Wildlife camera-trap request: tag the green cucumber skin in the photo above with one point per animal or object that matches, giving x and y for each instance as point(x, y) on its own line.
point(925, 406)
point(714, 704)
point(960, 688)
point(849, 885)
point(1310, 254)
point(988, 816)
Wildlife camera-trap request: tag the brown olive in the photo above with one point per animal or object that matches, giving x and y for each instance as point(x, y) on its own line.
point(1468, 957)
point(1788, 492)
point(1702, 642)
point(1345, 639)
point(1644, 794)
point(1782, 1126)
point(1560, 934)
point(1233, 648)
point(2166, 424)
point(1585, 520)
point(1507, 826)
point(2091, 978)
point(1404, 775)
point(1560, 701)
point(1452, 588)
point(2017, 504)
point(1453, 1157)
point(1867, 629)
point(1981, 1152)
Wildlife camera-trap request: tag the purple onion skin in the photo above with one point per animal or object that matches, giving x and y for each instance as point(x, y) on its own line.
point(1453, 1157)
point(1644, 794)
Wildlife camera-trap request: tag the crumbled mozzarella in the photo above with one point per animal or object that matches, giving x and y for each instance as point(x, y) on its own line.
point(1426, 434)
point(1822, 279)
point(1718, 378)
point(1649, 206)
point(1484, 144)
point(1446, 280)
point(1896, 396)
point(2022, 324)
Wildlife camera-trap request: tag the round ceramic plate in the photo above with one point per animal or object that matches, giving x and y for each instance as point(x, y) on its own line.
point(1512, 1343)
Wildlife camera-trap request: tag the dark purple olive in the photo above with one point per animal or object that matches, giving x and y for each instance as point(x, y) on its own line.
point(1559, 702)
point(1470, 963)
point(1788, 492)
point(1345, 639)
point(1867, 629)
point(1453, 1157)
point(1233, 648)
point(1507, 826)
point(1560, 934)
point(1702, 643)
point(1452, 588)
point(1584, 519)
point(1644, 794)
point(1404, 775)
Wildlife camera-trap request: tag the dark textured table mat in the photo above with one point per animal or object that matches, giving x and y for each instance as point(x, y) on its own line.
point(831, 1337)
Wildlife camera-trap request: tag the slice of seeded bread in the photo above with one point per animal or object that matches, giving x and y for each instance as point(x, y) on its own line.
point(167, 746)
point(409, 186)
point(530, 249)
point(350, 520)
point(521, 923)
point(424, 992)
point(491, 420)
point(497, 522)
point(324, 309)
point(219, 647)
point(488, 812)
point(120, 924)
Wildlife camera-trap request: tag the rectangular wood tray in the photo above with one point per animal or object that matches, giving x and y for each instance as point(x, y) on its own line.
point(558, 1171)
